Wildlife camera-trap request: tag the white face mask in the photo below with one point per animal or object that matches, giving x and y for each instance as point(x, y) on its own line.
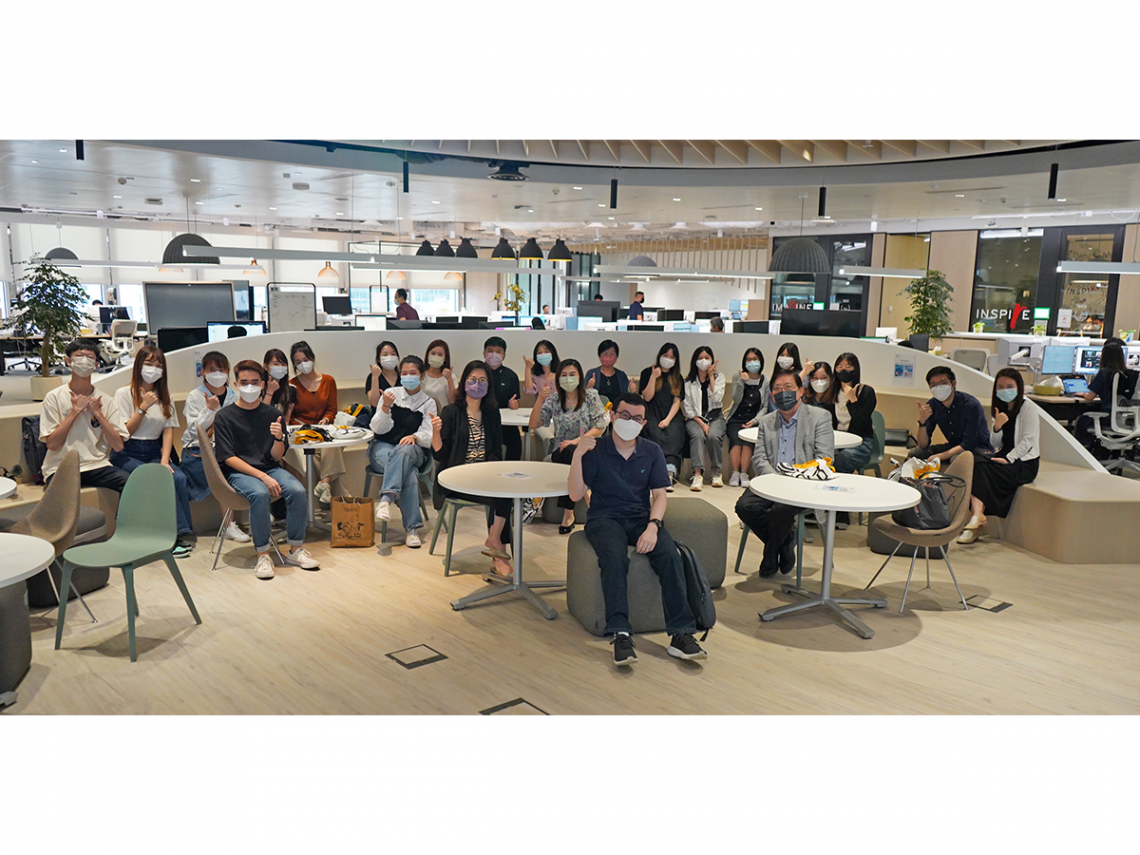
point(820, 386)
point(435, 361)
point(82, 366)
point(217, 378)
point(305, 367)
point(666, 363)
point(942, 392)
point(278, 372)
point(703, 364)
point(627, 429)
point(249, 394)
point(784, 361)
point(387, 362)
point(151, 373)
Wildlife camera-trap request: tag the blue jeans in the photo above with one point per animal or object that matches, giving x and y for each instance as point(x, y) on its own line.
point(257, 494)
point(854, 459)
point(400, 466)
point(195, 473)
point(135, 453)
point(610, 539)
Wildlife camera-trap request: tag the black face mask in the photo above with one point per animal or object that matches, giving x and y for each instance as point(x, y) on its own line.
point(785, 400)
point(845, 376)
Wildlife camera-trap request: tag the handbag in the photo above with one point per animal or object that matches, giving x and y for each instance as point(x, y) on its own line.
point(935, 509)
point(352, 521)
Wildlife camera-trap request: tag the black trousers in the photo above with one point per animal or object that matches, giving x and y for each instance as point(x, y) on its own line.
point(566, 456)
point(513, 443)
point(773, 523)
point(111, 477)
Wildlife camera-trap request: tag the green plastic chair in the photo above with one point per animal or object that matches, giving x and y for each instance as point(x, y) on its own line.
point(874, 464)
point(799, 547)
point(145, 531)
point(446, 519)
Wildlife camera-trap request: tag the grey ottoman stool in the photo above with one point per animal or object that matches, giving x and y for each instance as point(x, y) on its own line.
point(552, 514)
point(15, 638)
point(694, 522)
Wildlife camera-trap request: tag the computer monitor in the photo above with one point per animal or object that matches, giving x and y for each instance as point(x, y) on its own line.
point(1058, 359)
point(375, 323)
point(177, 338)
point(670, 314)
point(339, 305)
point(1087, 361)
point(106, 314)
point(606, 310)
point(820, 322)
point(394, 324)
point(705, 316)
point(223, 330)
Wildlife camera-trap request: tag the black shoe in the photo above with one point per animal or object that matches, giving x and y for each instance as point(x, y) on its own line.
point(842, 520)
point(623, 650)
point(566, 529)
point(181, 548)
point(769, 564)
point(684, 646)
point(787, 558)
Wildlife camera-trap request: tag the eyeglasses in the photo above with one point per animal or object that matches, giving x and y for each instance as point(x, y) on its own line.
point(474, 382)
point(630, 417)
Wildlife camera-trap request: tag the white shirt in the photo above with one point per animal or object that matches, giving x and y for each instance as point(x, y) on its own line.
point(435, 388)
point(197, 414)
point(153, 423)
point(1026, 433)
point(94, 450)
point(421, 403)
point(841, 413)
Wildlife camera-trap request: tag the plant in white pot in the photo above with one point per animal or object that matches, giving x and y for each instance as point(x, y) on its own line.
point(48, 306)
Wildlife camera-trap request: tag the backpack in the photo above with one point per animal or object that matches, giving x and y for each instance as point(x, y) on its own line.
point(697, 588)
point(34, 450)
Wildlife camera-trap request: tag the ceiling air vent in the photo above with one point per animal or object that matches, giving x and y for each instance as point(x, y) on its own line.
point(154, 201)
point(300, 185)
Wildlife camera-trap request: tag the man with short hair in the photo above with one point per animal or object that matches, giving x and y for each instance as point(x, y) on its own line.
point(76, 417)
point(598, 297)
point(716, 324)
point(249, 442)
point(505, 384)
point(404, 310)
point(636, 312)
point(959, 415)
point(791, 433)
point(622, 471)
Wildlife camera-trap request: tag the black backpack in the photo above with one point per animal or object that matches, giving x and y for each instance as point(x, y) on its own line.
point(698, 590)
point(34, 450)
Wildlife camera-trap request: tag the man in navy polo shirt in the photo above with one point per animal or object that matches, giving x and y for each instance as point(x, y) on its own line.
point(622, 472)
point(959, 415)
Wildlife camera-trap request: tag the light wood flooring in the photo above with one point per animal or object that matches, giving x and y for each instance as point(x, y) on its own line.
point(316, 642)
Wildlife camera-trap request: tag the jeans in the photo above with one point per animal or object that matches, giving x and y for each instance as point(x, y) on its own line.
point(773, 523)
point(852, 460)
point(610, 539)
point(705, 451)
point(195, 473)
point(135, 453)
point(257, 494)
point(400, 466)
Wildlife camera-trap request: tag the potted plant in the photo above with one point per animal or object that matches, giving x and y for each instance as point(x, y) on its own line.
point(930, 299)
point(515, 301)
point(48, 306)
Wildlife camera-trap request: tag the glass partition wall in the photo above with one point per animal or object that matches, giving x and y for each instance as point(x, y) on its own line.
point(1005, 280)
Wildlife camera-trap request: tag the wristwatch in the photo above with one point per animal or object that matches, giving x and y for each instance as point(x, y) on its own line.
point(140, 411)
point(659, 523)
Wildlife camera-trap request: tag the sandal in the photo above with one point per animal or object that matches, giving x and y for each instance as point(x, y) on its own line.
point(495, 575)
point(566, 529)
point(491, 552)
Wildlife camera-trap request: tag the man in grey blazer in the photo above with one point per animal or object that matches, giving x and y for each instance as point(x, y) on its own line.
point(792, 433)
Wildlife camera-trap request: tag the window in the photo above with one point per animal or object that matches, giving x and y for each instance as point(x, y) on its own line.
point(131, 296)
point(429, 301)
point(1005, 280)
point(361, 300)
point(847, 290)
point(1085, 295)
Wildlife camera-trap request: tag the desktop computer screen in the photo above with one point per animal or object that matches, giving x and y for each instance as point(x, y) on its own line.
point(374, 323)
point(339, 305)
point(1059, 359)
point(1088, 360)
point(223, 330)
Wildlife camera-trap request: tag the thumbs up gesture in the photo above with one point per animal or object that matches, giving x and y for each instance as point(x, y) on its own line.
point(586, 442)
point(277, 429)
point(593, 380)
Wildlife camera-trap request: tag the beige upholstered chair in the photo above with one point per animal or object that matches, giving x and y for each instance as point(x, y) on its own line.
point(963, 467)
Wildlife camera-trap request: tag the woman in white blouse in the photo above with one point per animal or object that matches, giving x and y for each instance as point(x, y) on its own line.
point(151, 420)
point(437, 381)
point(1016, 434)
point(704, 416)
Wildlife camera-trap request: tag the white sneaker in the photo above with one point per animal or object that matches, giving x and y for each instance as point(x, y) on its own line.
point(717, 481)
point(323, 492)
point(967, 536)
point(698, 483)
point(264, 568)
point(383, 512)
point(234, 533)
point(412, 540)
point(301, 558)
point(734, 479)
point(744, 480)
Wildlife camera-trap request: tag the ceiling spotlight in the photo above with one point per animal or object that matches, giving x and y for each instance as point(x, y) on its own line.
point(116, 197)
point(199, 203)
point(759, 209)
point(609, 218)
point(530, 210)
point(35, 161)
point(675, 199)
point(601, 205)
point(340, 213)
point(435, 201)
point(195, 180)
point(272, 208)
point(577, 188)
point(959, 195)
point(63, 151)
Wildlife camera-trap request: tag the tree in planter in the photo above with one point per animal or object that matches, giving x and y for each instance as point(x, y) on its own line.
point(514, 302)
point(930, 299)
point(48, 306)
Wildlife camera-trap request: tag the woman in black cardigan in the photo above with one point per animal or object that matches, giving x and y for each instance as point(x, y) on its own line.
point(854, 404)
point(470, 431)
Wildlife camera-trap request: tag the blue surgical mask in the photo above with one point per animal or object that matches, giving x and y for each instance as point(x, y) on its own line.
point(752, 366)
point(1006, 395)
point(411, 382)
point(543, 359)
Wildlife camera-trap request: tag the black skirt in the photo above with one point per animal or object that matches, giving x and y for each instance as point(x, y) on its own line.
point(995, 484)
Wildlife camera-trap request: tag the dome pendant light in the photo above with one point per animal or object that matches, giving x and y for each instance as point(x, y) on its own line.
point(503, 250)
point(559, 252)
point(465, 249)
point(254, 269)
point(173, 260)
point(328, 272)
point(531, 251)
point(425, 249)
point(800, 255)
point(396, 274)
point(444, 249)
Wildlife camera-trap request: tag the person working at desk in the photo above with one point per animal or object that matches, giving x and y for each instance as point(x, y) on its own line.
point(636, 312)
point(716, 324)
point(598, 297)
point(959, 415)
point(404, 310)
point(622, 473)
point(1111, 365)
point(793, 433)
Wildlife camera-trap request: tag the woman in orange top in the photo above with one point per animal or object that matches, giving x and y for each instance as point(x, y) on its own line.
point(316, 405)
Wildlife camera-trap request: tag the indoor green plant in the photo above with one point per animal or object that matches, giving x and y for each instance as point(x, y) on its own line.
point(930, 299)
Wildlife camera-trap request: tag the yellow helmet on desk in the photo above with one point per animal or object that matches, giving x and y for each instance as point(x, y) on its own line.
point(309, 433)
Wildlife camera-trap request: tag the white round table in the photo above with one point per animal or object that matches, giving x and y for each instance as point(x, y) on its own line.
point(510, 479)
point(843, 439)
point(24, 557)
point(853, 493)
point(310, 451)
point(7, 487)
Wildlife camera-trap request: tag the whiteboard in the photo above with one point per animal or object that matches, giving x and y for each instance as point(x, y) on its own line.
point(292, 310)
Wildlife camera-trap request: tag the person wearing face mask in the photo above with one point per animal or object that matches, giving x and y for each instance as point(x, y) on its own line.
point(792, 434)
point(505, 384)
point(1016, 434)
point(704, 416)
point(249, 442)
point(403, 428)
point(572, 411)
point(151, 425)
point(76, 417)
point(437, 380)
point(750, 400)
point(662, 387)
point(541, 370)
point(404, 310)
point(959, 415)
point(788, 359)
point(820, 388)
point(855, 402)
point(316, 404)
point(279, 392)
point(382, 373)
point(628, 480)
point(609, 381)
point(470, 431)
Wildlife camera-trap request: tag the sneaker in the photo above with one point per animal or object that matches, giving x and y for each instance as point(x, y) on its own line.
point(412, 540)
point(264, 569)
point(234, 533)
point(383, 512)
point(181, 549)
point(717, 481)
point(529, 511)
point(323, 492)
point(301, 558)
point(744, 480)
point(684, 646)
point(698, 483)
point(623, 649)
point(672, 481)
point(734, 479)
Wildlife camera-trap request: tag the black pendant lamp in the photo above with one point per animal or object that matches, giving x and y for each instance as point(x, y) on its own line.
point(503, 250)
point(559, 252)
point(465, 249)
point(172, 256)
point(60, 252)
point(444, 249)
point(800, 255)
point(425, 249)
point(531, 251)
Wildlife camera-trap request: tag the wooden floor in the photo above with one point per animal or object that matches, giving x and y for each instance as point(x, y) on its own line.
point(317, 642)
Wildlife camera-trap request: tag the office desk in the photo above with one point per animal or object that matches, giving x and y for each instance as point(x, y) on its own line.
point(1063, 408)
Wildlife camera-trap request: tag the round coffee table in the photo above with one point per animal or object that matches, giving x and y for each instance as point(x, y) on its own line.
point(24, 557)
point(510, 479)
point(7, 487)
point(843, 439)
point(310, 451)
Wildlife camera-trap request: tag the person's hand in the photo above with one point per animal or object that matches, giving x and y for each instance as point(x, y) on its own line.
point(149, 399)
point(513, 403)
point(593, 381)
point(95, 405)
point(168, 466)
point(1000, 420)
point(436, 424)
point(664, 423)
point(562, 446)
point(705, 427)
point(585, 442)
point(545, 391)
point(712, 368)
point(389, 398)
point(655, 374)
point(924, 411)
point(529, 364)
point(326, 420)
point(272, 485)
point(410, 439)
point(271, 388)
point(849, 391)
point(447, 374)
point(375, 369)
point(79, 403)
point(743, 374)
point(648, 540)
point(809, 367)
point(212, 402)
point(999, 460)
point(750, 424)
point(276, 430)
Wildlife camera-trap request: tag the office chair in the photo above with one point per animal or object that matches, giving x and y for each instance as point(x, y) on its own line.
point(1123, 434)
point(122, 343)
point(972, 356)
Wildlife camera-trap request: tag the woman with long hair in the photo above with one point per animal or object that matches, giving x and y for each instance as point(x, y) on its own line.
point(662, 387)
point(541, 369)
point(151, 423)
point(854, 403)
point(437, 380)
point(788, 359)
point(1112, 367)
point(750, 400)
point(316, 404)
point(820, 387)
point(1016, 434)
point(703, 407)
point(383, 373)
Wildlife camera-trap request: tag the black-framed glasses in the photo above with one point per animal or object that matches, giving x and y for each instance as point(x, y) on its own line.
point(630, 417)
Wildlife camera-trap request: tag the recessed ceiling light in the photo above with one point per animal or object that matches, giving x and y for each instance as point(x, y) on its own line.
point(435, 201)
point(609, 218)
point(577, 188)
point(63, 151)
point(35, 161)
point(196, 180)
point(399, 218)
point(116, 197)
point(675, 199)
point(340, 213)
point(759, 209)
point(959, 195)
point(601, 205)
point(198, 203)
point(1062, 200)
point(530, 210)
point(272, 209)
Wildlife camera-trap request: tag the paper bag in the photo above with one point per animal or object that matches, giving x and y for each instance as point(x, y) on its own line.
point(352, 521)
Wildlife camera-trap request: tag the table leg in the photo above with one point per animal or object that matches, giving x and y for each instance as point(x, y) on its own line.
point(310, 485)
